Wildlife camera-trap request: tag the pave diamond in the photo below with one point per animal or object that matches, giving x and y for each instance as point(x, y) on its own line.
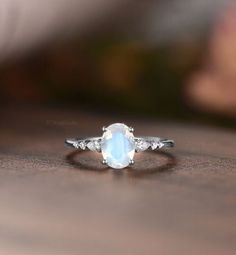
point(118, 146)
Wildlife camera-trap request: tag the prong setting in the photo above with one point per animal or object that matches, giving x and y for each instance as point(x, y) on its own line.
point(104, 162)
point(131, 129)
point(131, 162)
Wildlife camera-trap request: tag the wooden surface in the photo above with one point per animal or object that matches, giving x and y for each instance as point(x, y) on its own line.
point(55, 203)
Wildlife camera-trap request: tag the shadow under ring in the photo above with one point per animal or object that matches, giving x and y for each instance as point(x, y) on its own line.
point(148, 162)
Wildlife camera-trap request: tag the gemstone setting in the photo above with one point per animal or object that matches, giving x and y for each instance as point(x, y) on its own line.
point(118, 145)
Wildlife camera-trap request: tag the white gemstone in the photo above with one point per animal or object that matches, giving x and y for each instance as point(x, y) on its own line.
point(118, 146)
point(142, 145)
point(94, 146)
point(82, 145)
point(154, 145)
point(76, 145)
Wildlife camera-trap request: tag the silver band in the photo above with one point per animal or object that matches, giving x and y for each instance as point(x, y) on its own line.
point(141, 143)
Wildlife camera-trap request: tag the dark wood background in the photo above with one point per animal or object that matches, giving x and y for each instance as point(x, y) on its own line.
point(55, 201)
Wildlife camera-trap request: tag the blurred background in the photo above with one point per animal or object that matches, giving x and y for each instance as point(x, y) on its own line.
point(68, 67)
point(164, 59)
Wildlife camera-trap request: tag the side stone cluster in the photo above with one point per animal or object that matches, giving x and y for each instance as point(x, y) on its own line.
point(142, 144)
point(93, 145)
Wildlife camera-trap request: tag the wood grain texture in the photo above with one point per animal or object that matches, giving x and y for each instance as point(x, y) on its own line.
point(56, 201)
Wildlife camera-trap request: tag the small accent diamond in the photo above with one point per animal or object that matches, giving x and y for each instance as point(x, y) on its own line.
point(76, 145)
point(141, 145)
point(94, 146)
point(82, 145)
point(154, 145)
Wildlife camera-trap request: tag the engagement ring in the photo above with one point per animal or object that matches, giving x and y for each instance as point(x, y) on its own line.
point(118, 145)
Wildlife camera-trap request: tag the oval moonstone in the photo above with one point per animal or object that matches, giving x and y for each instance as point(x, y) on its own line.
point(118, 146)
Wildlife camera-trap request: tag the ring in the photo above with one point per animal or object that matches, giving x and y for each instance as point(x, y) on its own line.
point(118, 145)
